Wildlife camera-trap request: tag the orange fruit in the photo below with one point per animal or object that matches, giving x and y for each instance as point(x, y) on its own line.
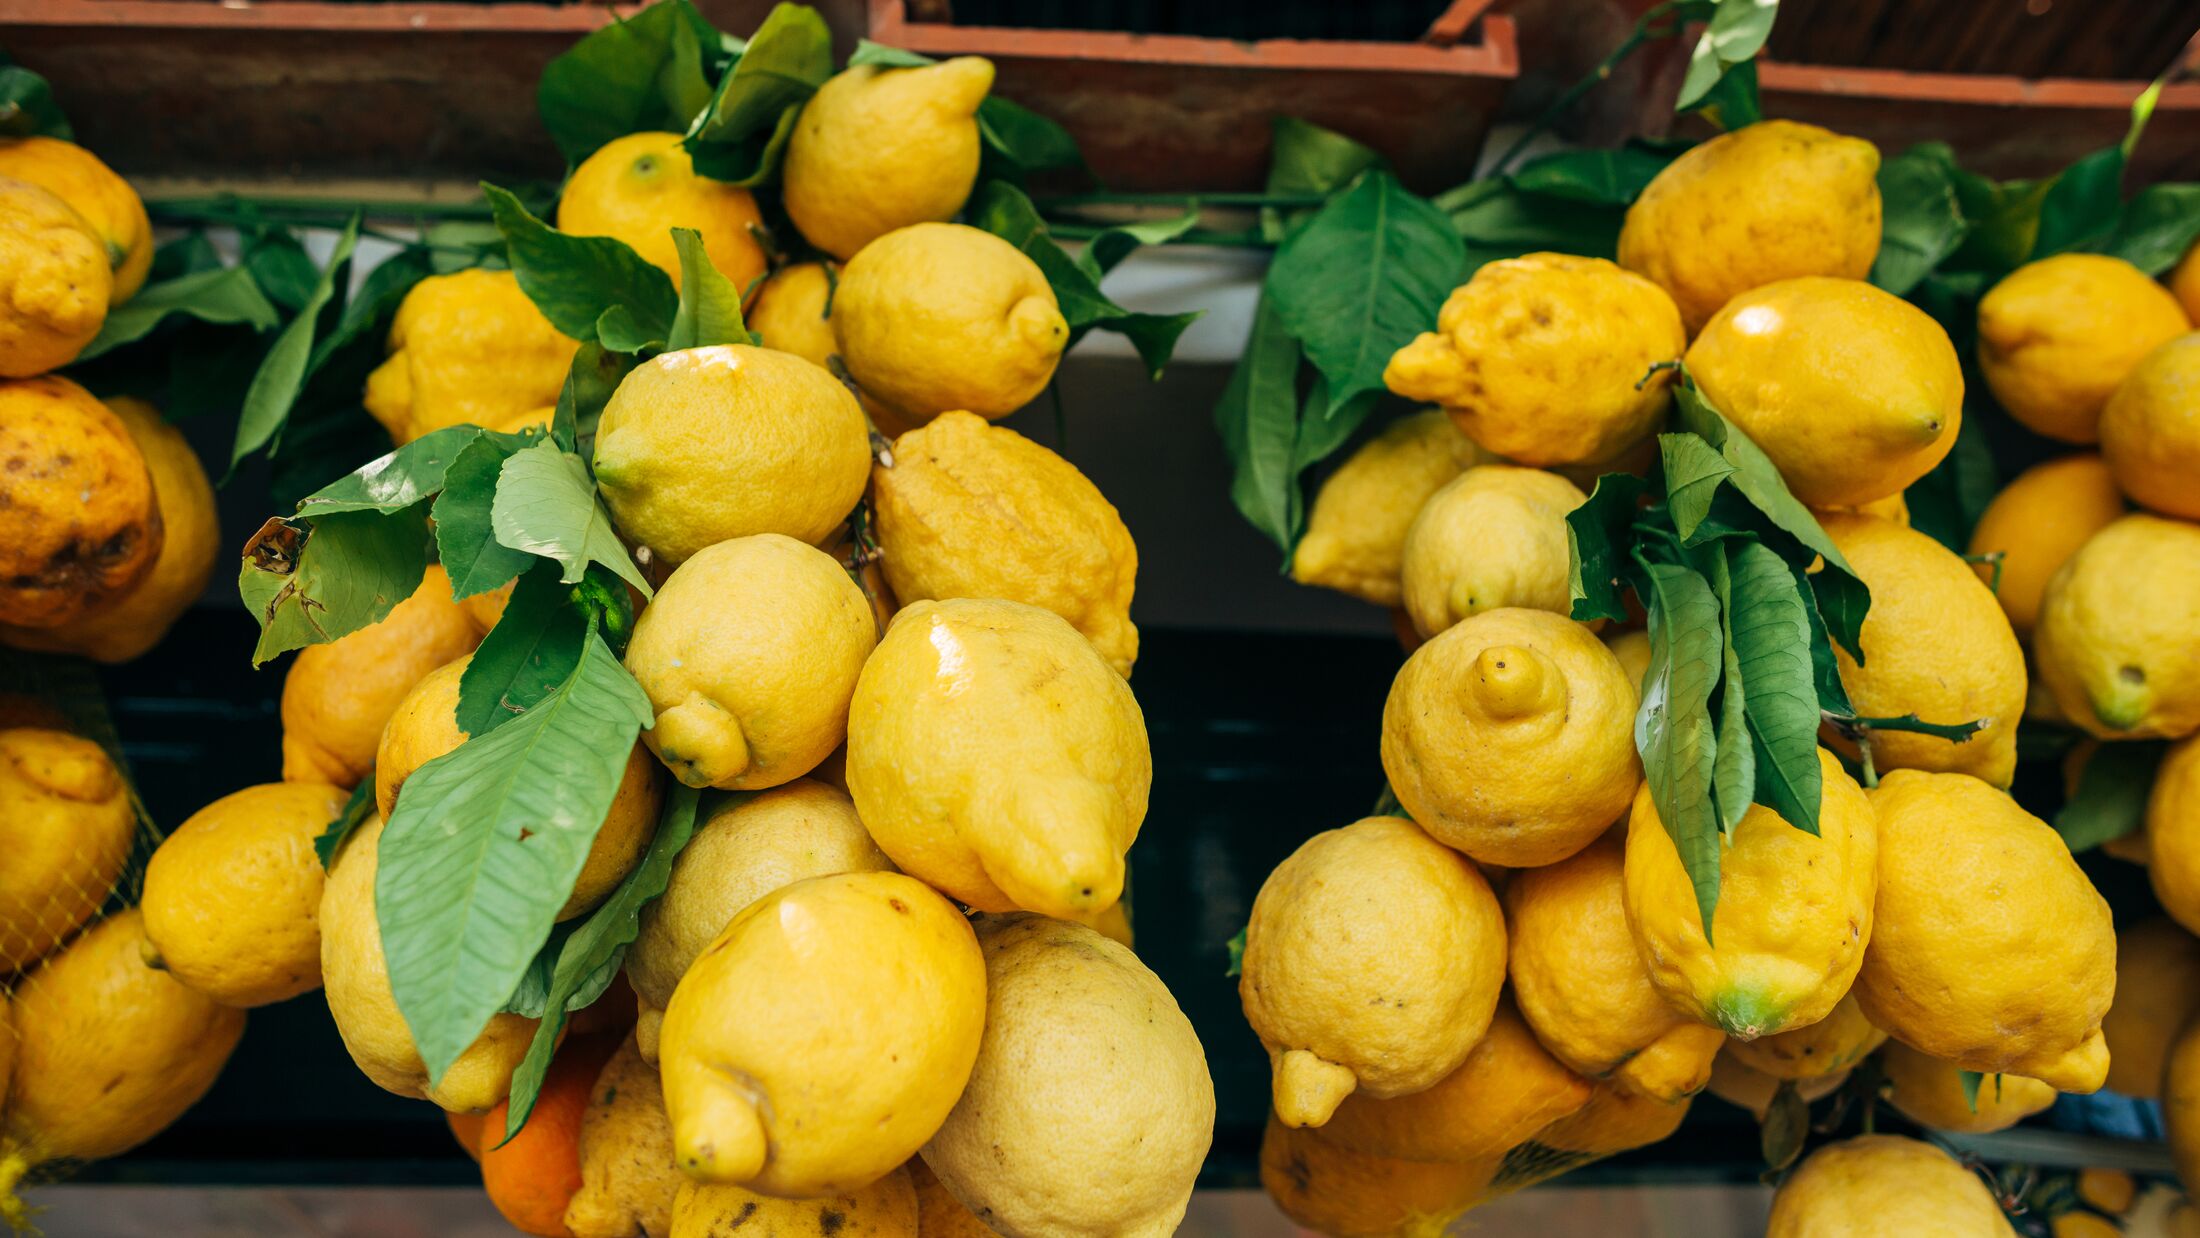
point(533, 1175)
point(466, 1129)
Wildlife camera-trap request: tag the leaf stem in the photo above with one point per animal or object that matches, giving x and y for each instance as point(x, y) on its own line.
point(1182, 201)
point(1858, 728)
point(1641, 34)
point(1994, 557)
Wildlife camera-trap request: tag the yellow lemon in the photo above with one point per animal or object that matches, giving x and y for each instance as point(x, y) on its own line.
point(1991, 949)
point(356, 980)
point(2173, 833)
point(940, 1214)
point(709, 444)
point(1344, 1194)
point(2118, 642)
point(1511, 737)
point(425, 726)
point(2036, 523)
point(640, 187)
point(2150, 429)
point(467, 348)
point(1355, 538)
point(972, 510)
point(1746, 1087)
point(1929, 1092)
point(1494, 536)
point(65, 825)
point(1509, 1088)
point(1828, 1047)
point(1856, 1187)
point(1935, 644)
point(2157, 991)
point(108, 1052)
point(936, 317)
point(1632, 647)
point(793, 313)
point(1793, 917)
point(749, 656)
point(2184, 283)
point(1388, 1006)
point(880, 148)
point(232, 897)
point(1615, 1120)
point(1854, 393)
point(824, 1036)
point(886, 1208)
point(629, 1179)
point(1771, 201)
point(105, 200)
point(993, 753)
point(1545, 359)
point(1046, 1139)
point(54, 280)
point(2057, 336)
point(81, 527)
point(1581, 983)
point(2181, 1104)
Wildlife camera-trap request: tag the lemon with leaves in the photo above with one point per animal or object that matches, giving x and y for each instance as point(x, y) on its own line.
point(106, 201)
point(2118, 642)
point(1859, 1185)
point(935, 317)
point(2035, 524)
point(54, 280)
point(1356, 533)
point(640, 187)
point(2056, 337)
point(1494, 536)
point(1930, 1092)
point(2150, 429)
point(1794, 911)
point(467, 348)
point(1390, 1005)
point(879, 148)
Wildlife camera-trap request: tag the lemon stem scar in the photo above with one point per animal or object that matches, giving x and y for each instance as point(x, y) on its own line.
point(1745, 1013)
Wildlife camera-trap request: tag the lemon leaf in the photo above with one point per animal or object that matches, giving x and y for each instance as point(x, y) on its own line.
point(2111, 797)
point(1825, 670)
point(1731, 40)
point(1770, 639)
point(310, 584)
point(1027, 141)
point(641, 73)
point(1673, 731)
point(2154, 228)
point(283, 372)
point(1786, 1126)
point(710, 306)
point(1308, 159)
point(465, 536)
point(1969, 1081)
point(521, 661)
point(27, 108)
point(1599, 177)
point(1694, 470)
point(1734, 760)
point(741, 135)
point(1597, 544)
point(1105, 250)
point(576, 281)
point(546, 505)
point(1258, 419)
point(880, 54)
point(226, 295)
point(596, 373)
point(1236, 948)
point(1922, 217)
point(354, 814)
point(398, 480)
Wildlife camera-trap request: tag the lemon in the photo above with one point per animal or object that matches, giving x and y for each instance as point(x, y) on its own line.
point(56, 282)
point(1509, 1088)
point(1355, 536)
point(2118, 642)
point(1331, 1190)
point(1615, 1120)
point(993, 753)
point(936, 317)
point(823, 1037)
point(886, 1208)
point(880, 148)
point(1991, 949)
point(1494, 536)
point(425, 726)
point(939, 1214)
point(1771, 201)
point(81, 527)
point(356, 980)
point(2157, 990)
point(232, 897)
point(1046, 1142)
point(1828, 1047)
point(106, 201)
point(1582, 986)
point(108, 1052)
point(749, 847)
point(971, 510)
point(749, 655)
point(2173, 833)
point(1793, 917)
point(1854, 393)
point(1632, 647)
point(65, 826)
point(640, 187)
point(467, 348)
point(1389, 1005)
point(2036, 523)
point(2180, 1104)
point(1511, 737)
point(1856, 1187)
point(2184, 283)
point(1935, 644)
point(710, 444)
point(1929, 1092)
point(793, 313)
point(628, 1177)
point(1546, 359)
point(2150, 429)
point(1746, 1087)
point(2057, 336)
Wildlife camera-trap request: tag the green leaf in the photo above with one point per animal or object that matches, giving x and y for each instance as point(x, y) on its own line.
point(27, 108)
point(1258, 419)
point(1599, 177)
point(1319, 436)
point(1028, 141)
point(2082, 205)
point(596, 373)
point(310, 585)
point(354, 814)
point(634, 75)
point(282, 374)
point(1597, 540)
point(1673, 726)
point(591, 952)
point(224, 295)
point(743, 133)
point(1825, 669)
point(1923, 223)
point(1694, 470)
point(1498, 221)
point(483, 848)
point(1786, 1127)
point(522, 661)
point(278, 261)
point(1734, 761)
point(546, 505)
point(1970, 1080)
point(188, 254)
point(752, 161)
point(576, 280)
point(1768, 630)
point(460, 244)
point(1946, 503)
point(880, 54)
point(1362, 278)
point(1731, 41)
point(465, 535)
point(1103, 252)
point(2111, 797)
point(407, 476)
point(1236, 947)
point(1308, 159)
point(709, 311)
point(378, 297)
point(2005, 221)
point(2155, 228)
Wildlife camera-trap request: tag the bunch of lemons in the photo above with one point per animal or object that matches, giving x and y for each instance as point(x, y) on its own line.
point(1513, 975)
